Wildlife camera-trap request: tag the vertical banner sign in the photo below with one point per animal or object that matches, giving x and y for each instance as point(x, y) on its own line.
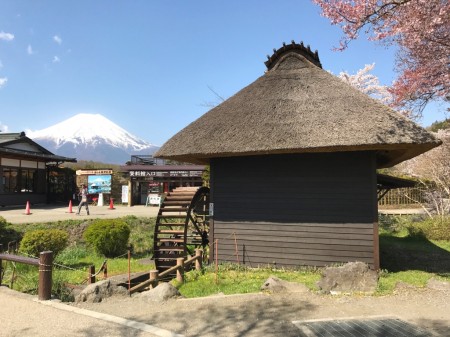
point(124, 194)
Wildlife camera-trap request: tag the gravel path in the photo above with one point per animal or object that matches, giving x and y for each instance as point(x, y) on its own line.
point(272, 314)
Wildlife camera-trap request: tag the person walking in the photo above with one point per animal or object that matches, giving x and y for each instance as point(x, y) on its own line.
point(83, 193)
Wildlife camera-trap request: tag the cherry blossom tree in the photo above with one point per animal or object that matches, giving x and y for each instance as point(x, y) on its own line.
point(421, 30)
point(369, 84)
point(433, 172)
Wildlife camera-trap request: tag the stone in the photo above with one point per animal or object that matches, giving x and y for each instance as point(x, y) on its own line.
point(436, 284)
point(163, 292)
point(275, 285)
point(97, 292)
point(349, 278)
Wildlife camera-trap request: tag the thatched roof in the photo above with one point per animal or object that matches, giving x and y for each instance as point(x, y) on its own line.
point(297, 107)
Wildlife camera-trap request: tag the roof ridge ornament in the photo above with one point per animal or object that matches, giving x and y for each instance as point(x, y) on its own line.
point(306, 52)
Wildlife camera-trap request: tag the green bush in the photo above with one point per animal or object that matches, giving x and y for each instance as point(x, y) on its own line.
point(431, 229)
point(72, 255)
point(40, 240)
point(108, 237)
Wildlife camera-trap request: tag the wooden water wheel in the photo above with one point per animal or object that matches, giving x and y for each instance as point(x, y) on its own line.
point(182, 226)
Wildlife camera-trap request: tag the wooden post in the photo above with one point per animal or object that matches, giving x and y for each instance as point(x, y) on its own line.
point(91, 275)
point(45, 275)
point(180, 270)
point(105, 270)
point(154, 275)
point(1, 271)
point(12, 247)
point(198, 262)
point(129, 267)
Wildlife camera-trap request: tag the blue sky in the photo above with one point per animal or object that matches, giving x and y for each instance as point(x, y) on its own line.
point(146, 65)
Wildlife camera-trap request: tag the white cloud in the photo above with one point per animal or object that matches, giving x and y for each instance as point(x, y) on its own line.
point(30, 50)
point(6, 36)
point(57, 39)
point(3, 127)
point(56, 59)
point(3, 81)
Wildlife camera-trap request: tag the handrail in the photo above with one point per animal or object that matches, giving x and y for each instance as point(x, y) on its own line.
point(21, 259)
point(179, 268)
point(45, 264)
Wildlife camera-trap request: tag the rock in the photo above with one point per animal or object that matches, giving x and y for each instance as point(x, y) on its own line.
point(436, 284)
point(162, 292)
point(275, 285)
point(402, 286)
point(349, 278)
point(97, 292)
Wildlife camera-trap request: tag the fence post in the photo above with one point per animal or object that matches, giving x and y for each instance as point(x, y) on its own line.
point(198, 261)
point(45, 275)
point(91, 276)
point(180, 270)
point(154, 275)
point(105, 270)
point(1, 264)
point(12, 247)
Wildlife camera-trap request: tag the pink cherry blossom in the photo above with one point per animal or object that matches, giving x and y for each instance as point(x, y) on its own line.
point(421, 29)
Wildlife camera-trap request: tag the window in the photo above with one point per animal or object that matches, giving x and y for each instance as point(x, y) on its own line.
point(28, 180)
point(19, 180)
point(10, 179)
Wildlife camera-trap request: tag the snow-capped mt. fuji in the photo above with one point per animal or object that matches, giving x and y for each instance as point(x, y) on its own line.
point(91, 137)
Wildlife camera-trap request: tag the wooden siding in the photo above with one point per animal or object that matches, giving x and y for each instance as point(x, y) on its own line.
point(291, 210)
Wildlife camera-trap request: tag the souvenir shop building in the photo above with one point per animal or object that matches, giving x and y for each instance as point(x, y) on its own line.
point(29, 172)
point(154, 177)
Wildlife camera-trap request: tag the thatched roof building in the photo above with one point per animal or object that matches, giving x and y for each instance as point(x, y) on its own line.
point(293, 159)
point(298, 107)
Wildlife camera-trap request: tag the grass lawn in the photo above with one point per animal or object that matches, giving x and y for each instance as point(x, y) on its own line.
point(403, 259)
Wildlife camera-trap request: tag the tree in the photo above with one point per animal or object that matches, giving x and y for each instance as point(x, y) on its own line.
point(433, 171)
point(420, 28)
point(369, 84)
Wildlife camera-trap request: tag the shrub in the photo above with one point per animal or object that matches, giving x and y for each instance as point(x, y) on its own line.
point(72, 255)
point(432, 229)
point(40, 240)
point(108, 237)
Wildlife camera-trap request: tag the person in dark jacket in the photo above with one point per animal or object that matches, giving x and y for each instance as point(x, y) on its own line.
point(83, 194)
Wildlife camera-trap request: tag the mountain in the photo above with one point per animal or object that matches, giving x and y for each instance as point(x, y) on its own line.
point(91, 137)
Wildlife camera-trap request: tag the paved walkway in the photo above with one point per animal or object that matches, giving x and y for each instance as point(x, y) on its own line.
point(43, 213)
point(23, 315)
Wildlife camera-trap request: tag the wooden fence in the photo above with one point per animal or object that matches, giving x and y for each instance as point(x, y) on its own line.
point(179, 269)
point(45, 264)
point(403, 196)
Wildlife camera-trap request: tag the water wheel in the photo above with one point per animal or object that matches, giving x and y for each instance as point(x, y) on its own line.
point(182, 226)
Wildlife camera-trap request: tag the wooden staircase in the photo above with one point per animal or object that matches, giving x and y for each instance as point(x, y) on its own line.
point(171, 228)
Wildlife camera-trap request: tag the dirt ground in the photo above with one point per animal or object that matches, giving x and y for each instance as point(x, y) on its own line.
point(272, 314)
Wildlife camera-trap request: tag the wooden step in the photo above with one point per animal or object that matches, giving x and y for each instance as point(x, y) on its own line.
point(169, 249)
point(178, 198)
point(172, 216)
point(176, 203)
point(170, 240)
point(170, 231)
point(173, 209)
point(166, 256)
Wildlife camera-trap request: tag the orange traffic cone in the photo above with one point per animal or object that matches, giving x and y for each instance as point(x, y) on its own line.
point(70, 206)
point(27, 209)
point(111, 204)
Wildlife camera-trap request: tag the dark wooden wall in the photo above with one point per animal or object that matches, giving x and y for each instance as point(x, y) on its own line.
point(292, 210)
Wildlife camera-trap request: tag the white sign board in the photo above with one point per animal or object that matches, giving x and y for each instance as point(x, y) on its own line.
point(124, 194)
point(154, 199)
